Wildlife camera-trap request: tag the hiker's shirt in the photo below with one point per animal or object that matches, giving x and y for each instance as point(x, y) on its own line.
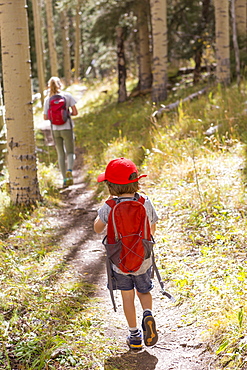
point(70, 102)
point(104, 212)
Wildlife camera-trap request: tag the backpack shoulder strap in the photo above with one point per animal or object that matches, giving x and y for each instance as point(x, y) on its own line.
point(141, 199)
point(111, 202)
point(57, 95)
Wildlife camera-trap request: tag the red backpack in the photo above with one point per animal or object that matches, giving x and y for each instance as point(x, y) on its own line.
point(128, 242)
point(57, 112)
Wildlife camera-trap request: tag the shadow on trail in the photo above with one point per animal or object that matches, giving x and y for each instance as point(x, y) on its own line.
point(132, 361)
point(73, 222)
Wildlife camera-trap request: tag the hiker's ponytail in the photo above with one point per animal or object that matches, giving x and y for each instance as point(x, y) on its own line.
point(54, 85)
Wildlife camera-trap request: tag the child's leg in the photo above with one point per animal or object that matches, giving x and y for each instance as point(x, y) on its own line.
point(148, 322)
point(146, 300)
point(128, 297)
point(134, 340)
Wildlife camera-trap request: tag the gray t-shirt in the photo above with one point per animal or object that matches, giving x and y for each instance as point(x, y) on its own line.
point(103, 213)
point(70, 102)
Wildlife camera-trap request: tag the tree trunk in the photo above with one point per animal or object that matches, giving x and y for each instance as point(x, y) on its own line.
point(2, 131)
point(66, 48)
point(122, 92)
point(235, 41)
point(24, 188)
point(39, 48)
point(241, 15)
point(77, 41)
point(222, 41)
point(145, 71)
point(82, 52)
point(51, 38)
point(159, 29)
point(198, 62)
point(200, 41)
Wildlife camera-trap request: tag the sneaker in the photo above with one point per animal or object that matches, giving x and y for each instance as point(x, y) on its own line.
point(65, 183)
point(149, 330)
point(69, 178)
point(135, 342)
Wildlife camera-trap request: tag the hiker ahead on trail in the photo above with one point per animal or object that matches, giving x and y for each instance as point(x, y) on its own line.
point(130, 219)
point(57, 109)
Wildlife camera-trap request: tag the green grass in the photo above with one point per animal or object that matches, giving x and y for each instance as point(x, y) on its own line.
point(197, 184)
point(47, 313)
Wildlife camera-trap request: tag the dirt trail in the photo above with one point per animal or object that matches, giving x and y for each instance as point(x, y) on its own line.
point(179, 347)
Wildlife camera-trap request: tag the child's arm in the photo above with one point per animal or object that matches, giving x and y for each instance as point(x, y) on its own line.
point(153, 228)
point(98, 225)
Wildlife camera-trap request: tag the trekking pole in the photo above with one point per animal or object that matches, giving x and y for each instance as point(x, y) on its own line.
point(168, 295)
point(163, 291)
point(109, 278)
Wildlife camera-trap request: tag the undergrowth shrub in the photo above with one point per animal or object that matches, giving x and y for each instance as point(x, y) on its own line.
point(196, 183)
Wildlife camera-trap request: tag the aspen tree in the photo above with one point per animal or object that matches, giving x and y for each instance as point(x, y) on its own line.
point(51, 38)
point(145, 71)
point(24, 187)
point(241, 17)
point(66, 48)
point(222, 32)
point(159, 28)
point(77, 40)
point(39, 47)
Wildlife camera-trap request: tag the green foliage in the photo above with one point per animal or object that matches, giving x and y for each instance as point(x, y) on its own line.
point(190, 28)
point(118, 129)
point(49, 179)
point(44, 309)
point(199, 192)
point(197, 185)
point(109, 15)
point(11, 216)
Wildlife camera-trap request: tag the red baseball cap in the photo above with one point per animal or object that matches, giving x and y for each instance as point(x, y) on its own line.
point(118, 171)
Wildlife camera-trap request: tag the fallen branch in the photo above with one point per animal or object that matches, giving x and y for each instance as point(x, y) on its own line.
point(165, 108)
point(135, 93)
point(186, 71)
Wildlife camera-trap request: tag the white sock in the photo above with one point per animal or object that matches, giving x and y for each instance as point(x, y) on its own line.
point(134, 331)
point(147, 311)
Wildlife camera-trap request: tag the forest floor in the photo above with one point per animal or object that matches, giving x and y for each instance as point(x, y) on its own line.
point(179, 347)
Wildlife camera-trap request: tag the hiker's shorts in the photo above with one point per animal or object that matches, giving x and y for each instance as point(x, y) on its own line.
point(142, 283)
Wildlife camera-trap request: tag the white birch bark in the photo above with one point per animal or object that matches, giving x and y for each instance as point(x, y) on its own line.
point(51, 38)
point(159, 28)
point(39, 48)
point(222, 41)
point(24, 188)
point(241, 17)
point(145, 71)
point(66, 49)
point(77, 41)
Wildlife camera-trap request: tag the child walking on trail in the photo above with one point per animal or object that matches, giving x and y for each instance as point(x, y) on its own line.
point(63, 133)
point(121, 178)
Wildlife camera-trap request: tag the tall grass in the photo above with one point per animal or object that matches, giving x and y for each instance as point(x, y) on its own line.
point(197, 184)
